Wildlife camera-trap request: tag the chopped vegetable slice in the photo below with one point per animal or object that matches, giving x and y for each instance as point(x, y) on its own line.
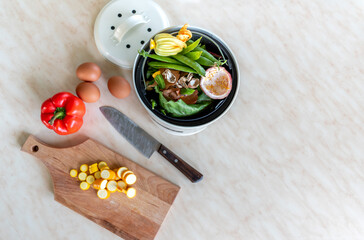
point(97, 175)
point(93, 168)
point(84, 186)
point(82, 176)
point(103, 194)
point(99, 184)
point(130, 178)
point(90, 179)
point(121, 171)
point(112, 186)
point(116, 176)
point(125, 173)
point(102, 164)
point(131, 192)
point(73, 173)
point(121, 186)
point(84, 168)
point(108, 174)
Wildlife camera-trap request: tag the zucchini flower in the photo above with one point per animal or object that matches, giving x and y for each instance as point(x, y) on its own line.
point(184, 35)
point(165, 44)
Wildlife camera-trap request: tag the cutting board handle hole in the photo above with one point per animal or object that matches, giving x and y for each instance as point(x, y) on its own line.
point(35, 148)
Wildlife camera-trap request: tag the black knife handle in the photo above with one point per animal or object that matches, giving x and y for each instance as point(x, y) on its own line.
point(185, 168)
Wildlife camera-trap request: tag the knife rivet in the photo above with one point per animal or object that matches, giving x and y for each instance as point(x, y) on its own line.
point(164, 151)
point(176, 160)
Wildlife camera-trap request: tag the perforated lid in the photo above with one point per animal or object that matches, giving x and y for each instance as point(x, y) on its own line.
point(123, 26)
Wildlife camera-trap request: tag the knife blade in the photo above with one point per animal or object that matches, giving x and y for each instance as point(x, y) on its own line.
point(145, 143)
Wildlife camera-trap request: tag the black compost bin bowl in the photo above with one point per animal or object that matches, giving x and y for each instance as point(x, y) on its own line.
point(195, 123)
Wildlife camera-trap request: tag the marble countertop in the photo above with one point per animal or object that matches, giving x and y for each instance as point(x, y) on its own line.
point(286, 162)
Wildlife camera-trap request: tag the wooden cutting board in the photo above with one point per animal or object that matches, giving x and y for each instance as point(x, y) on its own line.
point(136, 218)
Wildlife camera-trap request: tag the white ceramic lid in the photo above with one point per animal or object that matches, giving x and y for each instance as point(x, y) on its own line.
point(123, 26)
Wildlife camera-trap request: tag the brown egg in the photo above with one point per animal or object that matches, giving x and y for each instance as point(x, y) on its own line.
point(88, 92)
point(88, 72)
point(119, 87)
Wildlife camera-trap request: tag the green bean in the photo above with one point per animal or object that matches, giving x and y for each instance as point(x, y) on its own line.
point(171, 66)
point(205, 62)
point(194, 55)
point(206, 54)
point(190, 47)
point(185, 60)
point(189, 42)
point(157, 57)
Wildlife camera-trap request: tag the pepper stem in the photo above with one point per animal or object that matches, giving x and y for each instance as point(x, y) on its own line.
point(60, 113)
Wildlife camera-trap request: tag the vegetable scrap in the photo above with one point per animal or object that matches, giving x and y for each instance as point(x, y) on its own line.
point(183, 74)
point(104, 180)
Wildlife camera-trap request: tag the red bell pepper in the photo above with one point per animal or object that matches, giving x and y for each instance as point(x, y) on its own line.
point(63, 113)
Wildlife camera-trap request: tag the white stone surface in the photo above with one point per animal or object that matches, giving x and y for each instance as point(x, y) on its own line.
point(286, 162)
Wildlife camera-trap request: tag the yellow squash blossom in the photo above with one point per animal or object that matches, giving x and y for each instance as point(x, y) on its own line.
point(164, 44)
point(184, 35)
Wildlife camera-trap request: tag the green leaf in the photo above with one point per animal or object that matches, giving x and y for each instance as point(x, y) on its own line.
point(154, 103)
point(187, 91)
point(180, 108)
point(203, 98)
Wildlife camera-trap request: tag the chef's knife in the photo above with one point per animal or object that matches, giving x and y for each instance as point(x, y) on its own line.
point(145, 143)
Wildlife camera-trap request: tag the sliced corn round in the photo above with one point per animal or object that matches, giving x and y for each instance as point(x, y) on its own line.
point(102, 164)
point(84, 186)
point(84, 168)
point(103, 194)
point(90, 179)
point(97, 175)
point(112, 186)
point(73, 173)
point(131, 192)
point(82, 176)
